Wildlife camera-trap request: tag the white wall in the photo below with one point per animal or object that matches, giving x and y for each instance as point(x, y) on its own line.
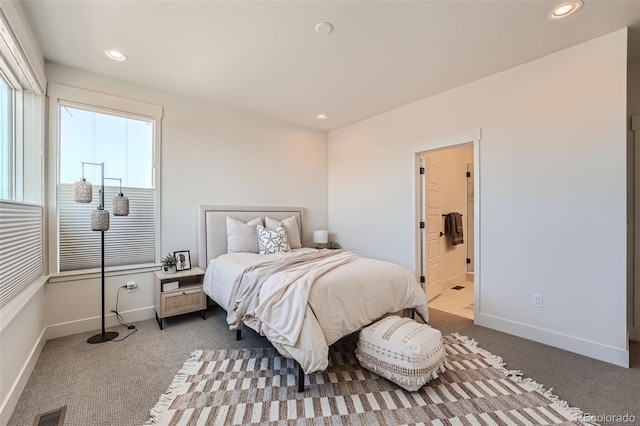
point(552, 164)
point(633, 108)
point(22, 337)
point(211, 154)
point(453, 198)
point(633, 88)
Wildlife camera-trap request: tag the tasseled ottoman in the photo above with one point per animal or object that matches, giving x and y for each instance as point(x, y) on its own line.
point(403, 351)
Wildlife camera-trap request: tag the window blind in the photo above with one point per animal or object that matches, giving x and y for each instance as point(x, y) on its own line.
point(21, 260)
point(130, 240)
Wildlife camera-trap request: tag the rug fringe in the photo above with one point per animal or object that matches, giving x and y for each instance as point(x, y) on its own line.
point(178, 381)
point(527, 383)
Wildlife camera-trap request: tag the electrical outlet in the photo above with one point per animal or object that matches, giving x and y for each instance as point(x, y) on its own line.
point(536, 300)
point(131, 286)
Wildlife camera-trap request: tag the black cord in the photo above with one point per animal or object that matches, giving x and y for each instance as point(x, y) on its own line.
point(120, 319)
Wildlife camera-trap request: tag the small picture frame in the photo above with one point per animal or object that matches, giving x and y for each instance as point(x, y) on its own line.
point(183, 260)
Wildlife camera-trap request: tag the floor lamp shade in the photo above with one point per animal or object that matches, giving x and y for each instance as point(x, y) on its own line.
point(120, 205)
point(82, 191)
point(99, 220)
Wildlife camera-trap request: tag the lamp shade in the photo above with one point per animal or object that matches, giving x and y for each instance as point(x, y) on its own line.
point(120, 205)
point(99, 220)
point(82, 191)
point(320, 237)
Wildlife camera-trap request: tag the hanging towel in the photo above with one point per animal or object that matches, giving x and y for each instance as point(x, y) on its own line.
point(453, 227)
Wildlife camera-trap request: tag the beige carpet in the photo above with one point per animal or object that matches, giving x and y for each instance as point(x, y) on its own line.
point(252, 386)
point(117, 384)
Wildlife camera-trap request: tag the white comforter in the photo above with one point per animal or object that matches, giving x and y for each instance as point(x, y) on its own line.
point(339, 301)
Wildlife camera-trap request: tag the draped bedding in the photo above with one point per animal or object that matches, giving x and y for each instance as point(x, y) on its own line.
point(306, 299)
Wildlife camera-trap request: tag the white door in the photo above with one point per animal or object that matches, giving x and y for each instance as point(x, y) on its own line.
point(433, 227)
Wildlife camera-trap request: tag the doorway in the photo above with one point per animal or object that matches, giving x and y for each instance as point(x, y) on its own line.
point(448, 183)
point(449, 285)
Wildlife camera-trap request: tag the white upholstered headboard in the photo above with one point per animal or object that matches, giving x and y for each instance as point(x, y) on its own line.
point(212, 225)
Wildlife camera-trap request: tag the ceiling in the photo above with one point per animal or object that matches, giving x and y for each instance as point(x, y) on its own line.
point(265, 56)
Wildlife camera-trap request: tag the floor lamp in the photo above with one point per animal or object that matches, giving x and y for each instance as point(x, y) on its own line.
point(83, 193)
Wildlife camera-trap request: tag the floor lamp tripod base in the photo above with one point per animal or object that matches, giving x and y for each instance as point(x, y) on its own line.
point(103, 337)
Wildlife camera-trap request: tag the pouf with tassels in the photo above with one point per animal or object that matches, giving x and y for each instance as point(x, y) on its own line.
point(403, 351)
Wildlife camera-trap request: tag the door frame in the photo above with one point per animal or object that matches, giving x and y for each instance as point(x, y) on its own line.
point(467, 137)
point(633, 289)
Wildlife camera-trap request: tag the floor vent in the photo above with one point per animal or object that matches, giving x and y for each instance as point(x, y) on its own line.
point(52, 418)
point(458, 287)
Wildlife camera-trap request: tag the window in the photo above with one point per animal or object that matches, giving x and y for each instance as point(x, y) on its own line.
point(122, 134)
point(125, 146)
point(21, 169)
point(6, 139)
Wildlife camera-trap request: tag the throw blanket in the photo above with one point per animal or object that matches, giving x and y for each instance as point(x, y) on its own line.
point(273, 297)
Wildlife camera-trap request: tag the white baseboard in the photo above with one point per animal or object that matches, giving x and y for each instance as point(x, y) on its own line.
point(610, 354)
point(95, 323)
point(13, 396)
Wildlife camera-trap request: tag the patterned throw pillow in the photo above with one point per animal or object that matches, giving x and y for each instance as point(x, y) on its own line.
point(271, 242)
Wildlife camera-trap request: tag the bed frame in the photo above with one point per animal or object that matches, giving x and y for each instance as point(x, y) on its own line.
point(212, 236)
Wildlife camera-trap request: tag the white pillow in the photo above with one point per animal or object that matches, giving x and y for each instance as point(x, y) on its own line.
point(271, 242)
point(241, 237)
point(290, 224)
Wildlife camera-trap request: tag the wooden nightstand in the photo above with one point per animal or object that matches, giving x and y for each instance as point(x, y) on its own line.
point(187, 296)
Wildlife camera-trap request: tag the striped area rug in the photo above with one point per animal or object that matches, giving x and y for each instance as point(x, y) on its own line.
point(258, 386)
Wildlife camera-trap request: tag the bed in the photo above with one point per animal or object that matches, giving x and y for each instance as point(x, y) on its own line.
point(303, 300)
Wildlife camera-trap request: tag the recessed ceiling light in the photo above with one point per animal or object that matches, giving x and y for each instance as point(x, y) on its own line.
point(321, 116)
point(324, 28)
point(565, 9)
point(115, 55)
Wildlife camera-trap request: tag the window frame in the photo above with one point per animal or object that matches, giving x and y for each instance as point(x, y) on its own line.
point(115, 105)
point(8, 80)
